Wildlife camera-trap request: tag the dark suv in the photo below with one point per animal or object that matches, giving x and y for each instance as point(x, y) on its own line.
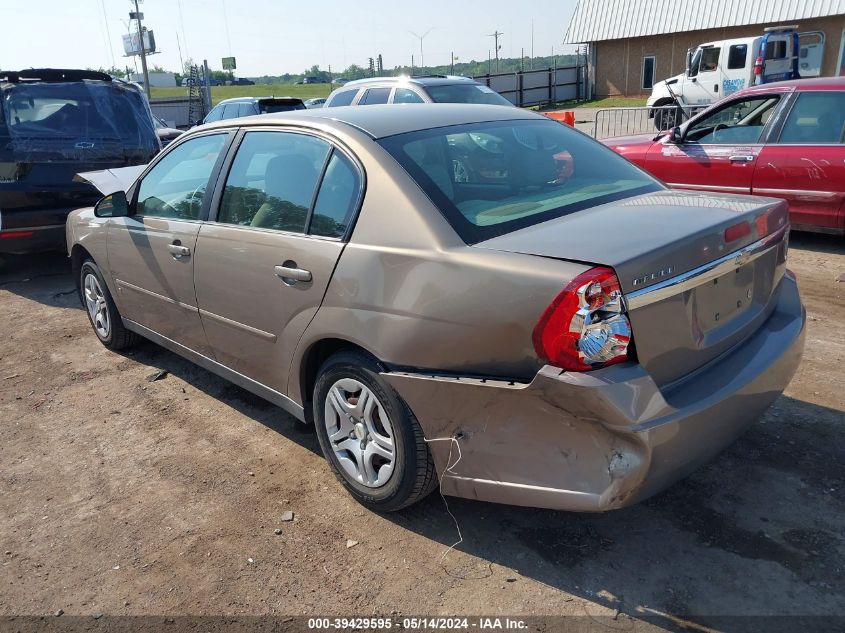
point(55, 123)
point(414, 89)
point(249, 106)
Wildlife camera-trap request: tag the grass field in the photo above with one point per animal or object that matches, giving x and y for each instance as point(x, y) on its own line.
point(218, 93)
point(614, 102)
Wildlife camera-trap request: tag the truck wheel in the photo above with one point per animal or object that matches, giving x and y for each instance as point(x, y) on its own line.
point(667, 116)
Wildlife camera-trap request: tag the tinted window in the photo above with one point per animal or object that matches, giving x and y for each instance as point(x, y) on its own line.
point(267, 107)
point(215, 115)
point(246, 109)
point(404, 95)
point(272, 181)
point(336, 200)
point(493, 178)
point(230, 110)
point(375, 96)
point(817, 117)
point(175, 187)
point(648, 72)
point(343, 98)
point(736, 122)
point(737, 55)
point(466, 93)
point(710, 59)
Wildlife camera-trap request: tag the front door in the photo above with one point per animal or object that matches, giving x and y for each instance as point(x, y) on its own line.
point(719, 149)
point(151, 252)
point(805, 165)
point(263, 264)
point(701, 86)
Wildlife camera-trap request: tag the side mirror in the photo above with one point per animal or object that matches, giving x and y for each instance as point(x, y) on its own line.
point(113, 205)
point(675, 136)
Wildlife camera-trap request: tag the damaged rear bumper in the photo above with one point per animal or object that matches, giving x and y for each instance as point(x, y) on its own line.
point(605, 439)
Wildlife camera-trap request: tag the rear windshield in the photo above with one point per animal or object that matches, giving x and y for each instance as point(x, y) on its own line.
point(268, 107)
point(80, 120)
point(466, 93)
point(489, 179)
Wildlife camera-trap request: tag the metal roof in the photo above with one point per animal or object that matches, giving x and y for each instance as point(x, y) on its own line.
point(598, 20)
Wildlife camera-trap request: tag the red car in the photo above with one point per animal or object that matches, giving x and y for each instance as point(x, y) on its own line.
point(785, 140)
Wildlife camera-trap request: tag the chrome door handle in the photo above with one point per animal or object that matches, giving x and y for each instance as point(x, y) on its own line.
point(743, 158)
point(178, 251)
point(292, 275)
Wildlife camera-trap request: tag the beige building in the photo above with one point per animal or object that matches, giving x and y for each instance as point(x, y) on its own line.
point(635, 43)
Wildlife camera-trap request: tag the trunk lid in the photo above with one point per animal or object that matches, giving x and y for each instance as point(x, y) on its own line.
point(654, 241)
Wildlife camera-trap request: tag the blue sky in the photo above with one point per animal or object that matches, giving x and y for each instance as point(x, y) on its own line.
point(276, 36)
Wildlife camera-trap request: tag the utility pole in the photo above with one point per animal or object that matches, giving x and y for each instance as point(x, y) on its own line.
point(532, 45)
point(421, 38)
point(495, 35)
point(143, 52)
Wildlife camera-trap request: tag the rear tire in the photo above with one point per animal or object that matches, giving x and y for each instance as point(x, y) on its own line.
point(369, 436)
point(101, 309)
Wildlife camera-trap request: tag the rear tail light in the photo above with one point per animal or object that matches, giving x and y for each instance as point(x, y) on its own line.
point(737, 231)
point(10, 234)
point(585, 327)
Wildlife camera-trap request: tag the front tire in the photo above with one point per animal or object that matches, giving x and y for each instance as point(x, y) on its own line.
point(369, 436)
point(101, 309)
point(667, 116)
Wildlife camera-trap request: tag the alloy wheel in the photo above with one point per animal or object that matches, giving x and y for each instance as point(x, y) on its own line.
point(95, 301)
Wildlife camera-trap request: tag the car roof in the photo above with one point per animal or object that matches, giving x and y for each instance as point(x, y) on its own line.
point(798, 85)
point(380, 121)
point(253, 99)
point(420, 80)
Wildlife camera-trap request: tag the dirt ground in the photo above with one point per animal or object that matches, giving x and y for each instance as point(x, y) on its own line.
point(124, 496)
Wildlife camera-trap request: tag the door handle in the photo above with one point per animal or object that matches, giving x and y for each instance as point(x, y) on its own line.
point(178, 251)
point(743, 158)
point(290, 274)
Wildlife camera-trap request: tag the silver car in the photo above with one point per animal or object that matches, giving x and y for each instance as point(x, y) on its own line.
point(414, 89)
point(471, 295)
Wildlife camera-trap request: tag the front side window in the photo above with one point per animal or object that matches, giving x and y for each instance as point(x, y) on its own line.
point(175, 187)
point(737, 55)
point(736, 122)
point(405, 95)
point(375, 96)
point(343, 98)
point(817, 117)
point(215, 115)
point(272, 181)
point(493, 178)
point(710, 59)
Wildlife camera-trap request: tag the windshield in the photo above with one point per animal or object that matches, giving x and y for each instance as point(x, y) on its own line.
point(80, 120)
point(489, 179)
point(466, 93)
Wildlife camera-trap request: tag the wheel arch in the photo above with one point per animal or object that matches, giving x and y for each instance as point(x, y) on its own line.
point(78, 255)
point(313, 358)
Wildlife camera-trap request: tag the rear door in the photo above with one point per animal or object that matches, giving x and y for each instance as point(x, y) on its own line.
point(151, 253)
point(263, 264)
point(805, 162)
point(719, 148)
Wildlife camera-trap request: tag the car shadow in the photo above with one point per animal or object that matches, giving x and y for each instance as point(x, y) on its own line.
point(763, 515)
point(818, 242)
point(43, 277)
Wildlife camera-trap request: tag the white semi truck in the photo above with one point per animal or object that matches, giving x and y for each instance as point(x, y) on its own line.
point(718, 69)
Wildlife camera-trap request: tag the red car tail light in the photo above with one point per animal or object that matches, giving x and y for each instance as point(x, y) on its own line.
point(737, 231)
point(585, 327)
point(11, 234)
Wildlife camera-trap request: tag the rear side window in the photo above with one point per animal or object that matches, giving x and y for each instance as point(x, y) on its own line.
point(230, 110)
point(817, 117)
point(246, 109)
point(343, 98)
point(272, 181)
point(336, 200)
point(737, 55)
point(776, 49)
point(375, 96)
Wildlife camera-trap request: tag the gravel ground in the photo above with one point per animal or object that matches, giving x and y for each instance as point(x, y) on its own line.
point(124, 496)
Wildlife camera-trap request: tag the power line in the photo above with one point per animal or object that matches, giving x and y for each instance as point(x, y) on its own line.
point(108, 33)
point(226, 25)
